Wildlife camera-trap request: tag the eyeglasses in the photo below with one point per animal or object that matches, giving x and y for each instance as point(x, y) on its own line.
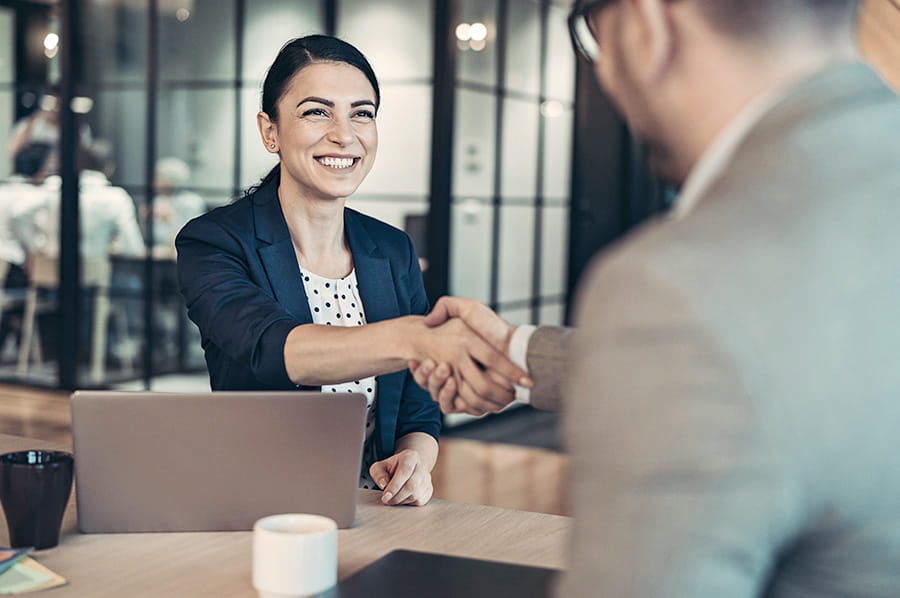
point(584, 38)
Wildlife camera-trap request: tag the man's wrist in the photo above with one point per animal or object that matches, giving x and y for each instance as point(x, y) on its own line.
point(518, 354)
point(517, 347)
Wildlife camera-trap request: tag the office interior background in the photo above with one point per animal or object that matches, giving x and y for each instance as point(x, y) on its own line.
point(498, 154)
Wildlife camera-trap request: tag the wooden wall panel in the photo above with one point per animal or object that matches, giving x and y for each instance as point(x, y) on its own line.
point(879, 37)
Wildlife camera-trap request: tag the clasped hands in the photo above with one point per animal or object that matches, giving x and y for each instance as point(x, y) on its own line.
point(465, 364)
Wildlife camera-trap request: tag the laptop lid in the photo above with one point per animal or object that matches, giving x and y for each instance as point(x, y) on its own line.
point(409, 574)
point(214, 461)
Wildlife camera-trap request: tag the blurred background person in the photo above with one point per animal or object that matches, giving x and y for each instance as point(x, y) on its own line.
point(108, 216)
point(108, 228)
point(18, 194)
point(34, 143)
point(173, 205)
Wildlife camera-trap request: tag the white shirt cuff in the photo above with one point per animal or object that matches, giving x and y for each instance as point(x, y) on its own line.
point(518, 354)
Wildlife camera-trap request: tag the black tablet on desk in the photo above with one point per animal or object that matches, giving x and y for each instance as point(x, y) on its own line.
point(408, 574)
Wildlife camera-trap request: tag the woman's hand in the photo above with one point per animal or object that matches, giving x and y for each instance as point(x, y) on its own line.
point(405, 479)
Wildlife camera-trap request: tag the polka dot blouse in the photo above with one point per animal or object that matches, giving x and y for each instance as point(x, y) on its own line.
point(335, 302)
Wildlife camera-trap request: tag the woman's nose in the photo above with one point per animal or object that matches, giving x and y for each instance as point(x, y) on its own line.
point(341, 131)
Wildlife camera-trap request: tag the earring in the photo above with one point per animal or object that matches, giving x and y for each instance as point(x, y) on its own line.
point(272, 145)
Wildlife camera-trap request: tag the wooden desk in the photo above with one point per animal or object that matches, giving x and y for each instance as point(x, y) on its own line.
point(219, 563)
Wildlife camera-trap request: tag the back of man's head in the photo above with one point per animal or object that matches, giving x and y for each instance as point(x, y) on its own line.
point(99, 157)
point(762, 19)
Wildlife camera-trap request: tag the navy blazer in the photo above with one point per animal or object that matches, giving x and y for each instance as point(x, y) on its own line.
point(239, 276)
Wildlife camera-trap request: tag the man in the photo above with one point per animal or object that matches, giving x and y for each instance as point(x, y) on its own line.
point(173, 205)
point(108, 216)
point(732, 403)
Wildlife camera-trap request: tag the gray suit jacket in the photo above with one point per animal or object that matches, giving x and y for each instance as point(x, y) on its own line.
point(548, 364)
point(734, 407)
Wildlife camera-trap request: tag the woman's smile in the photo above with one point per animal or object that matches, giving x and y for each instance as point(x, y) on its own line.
point(338, 162)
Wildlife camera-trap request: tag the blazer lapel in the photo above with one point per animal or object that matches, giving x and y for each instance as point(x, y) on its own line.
point(379, 296)
point(373, 271)
point(276, 251)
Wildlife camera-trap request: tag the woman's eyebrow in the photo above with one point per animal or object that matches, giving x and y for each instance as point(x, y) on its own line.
point(330, 104)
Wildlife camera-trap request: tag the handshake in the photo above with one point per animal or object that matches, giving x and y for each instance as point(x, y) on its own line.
point(464, 362)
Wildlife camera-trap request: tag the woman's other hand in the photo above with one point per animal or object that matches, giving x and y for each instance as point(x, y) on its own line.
point(404, 478)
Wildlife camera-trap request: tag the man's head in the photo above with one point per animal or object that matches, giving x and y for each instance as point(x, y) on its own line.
point(170, 174)
point(99, 157)
point(679, 70)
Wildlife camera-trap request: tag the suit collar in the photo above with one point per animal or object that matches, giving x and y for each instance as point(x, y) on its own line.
point(276, 252)
point(714, 161)
point(269, 222)
point(373, 270)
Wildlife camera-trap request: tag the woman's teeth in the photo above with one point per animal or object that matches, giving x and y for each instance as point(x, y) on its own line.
point(336, 162)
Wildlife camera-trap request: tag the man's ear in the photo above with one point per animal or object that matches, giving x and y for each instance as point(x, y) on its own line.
point(268, 132)
point(658, 33)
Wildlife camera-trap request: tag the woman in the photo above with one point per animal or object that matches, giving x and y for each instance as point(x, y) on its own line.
point(290, 289)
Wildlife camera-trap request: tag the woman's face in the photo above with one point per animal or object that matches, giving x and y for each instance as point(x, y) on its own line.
point(326, 132)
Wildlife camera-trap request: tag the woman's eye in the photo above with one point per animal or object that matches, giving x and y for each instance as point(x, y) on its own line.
point(364, 114)
point(315, 112)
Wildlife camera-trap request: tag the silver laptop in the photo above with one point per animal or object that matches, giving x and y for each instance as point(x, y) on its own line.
point(214, 461)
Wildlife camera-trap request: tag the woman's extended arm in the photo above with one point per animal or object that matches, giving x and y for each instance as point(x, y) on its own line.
point(316, 354)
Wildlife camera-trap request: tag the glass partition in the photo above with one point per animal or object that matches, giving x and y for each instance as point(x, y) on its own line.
point(7, 83)
point(511, 160)
point(477, 57)
point(396, 37)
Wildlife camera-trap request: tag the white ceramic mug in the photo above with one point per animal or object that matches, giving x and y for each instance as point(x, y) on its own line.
point(294, 555)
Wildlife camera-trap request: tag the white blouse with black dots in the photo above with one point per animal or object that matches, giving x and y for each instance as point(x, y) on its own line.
point(335, 302)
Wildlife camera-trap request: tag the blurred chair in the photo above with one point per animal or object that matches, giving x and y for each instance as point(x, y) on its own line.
point(4, 270)
point(9, 298)
point(95, 273)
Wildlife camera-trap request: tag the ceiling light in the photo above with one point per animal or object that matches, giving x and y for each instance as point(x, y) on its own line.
point(552, 108)
point(81, 104)
point(463, 32)
point(51, 40)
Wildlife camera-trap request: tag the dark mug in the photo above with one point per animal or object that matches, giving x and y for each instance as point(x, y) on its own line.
point(34, 490)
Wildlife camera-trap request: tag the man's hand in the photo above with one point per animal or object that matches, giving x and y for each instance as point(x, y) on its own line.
point(404, 479)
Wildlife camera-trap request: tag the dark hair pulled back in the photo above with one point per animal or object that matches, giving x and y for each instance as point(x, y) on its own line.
point(293, 57)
